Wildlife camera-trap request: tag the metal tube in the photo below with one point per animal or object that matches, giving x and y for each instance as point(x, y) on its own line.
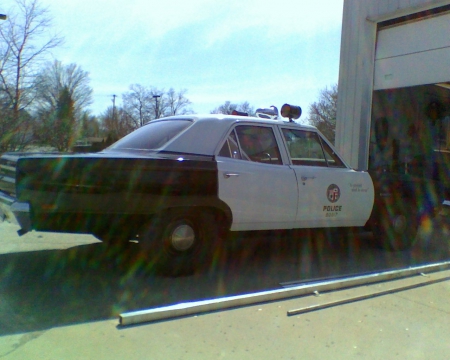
point(362, 297)
point(197, 307)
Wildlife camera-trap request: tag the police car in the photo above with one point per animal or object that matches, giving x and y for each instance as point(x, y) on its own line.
point(178, 184)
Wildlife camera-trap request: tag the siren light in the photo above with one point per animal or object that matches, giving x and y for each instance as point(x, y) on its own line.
point(267, 113)
point(239, 113)
point(291, 111)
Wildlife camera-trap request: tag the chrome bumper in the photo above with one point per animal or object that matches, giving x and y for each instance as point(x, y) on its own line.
point(16, 212)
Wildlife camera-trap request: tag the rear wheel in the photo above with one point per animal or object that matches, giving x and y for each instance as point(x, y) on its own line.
point(177, 242)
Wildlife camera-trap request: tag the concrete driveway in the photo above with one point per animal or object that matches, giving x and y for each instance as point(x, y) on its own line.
point(412, 324)
point(407, 325)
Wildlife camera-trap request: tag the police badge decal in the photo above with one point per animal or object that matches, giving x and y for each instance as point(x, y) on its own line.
point(333, 193)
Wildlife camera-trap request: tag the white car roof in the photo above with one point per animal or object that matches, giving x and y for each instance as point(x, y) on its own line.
point(207, 131)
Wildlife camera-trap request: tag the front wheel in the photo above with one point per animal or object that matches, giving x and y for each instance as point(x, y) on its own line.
point(395, 229)
point(178, 241)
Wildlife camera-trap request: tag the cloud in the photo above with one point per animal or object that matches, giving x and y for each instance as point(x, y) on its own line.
point(123, 27)
point(276, 19)
point(219, 50)
point(153, 19)
point(258, 92)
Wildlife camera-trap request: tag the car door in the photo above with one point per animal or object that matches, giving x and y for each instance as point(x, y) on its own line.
point(253, 180)
point(330, 193)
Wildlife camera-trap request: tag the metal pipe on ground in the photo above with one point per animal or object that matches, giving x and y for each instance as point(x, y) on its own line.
point(204, 306)
point(363, 297)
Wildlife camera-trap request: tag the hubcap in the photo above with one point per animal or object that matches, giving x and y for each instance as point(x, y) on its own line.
point(183, 237)
point(399, 224)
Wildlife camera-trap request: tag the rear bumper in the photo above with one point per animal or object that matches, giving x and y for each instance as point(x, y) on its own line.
point(15, 212)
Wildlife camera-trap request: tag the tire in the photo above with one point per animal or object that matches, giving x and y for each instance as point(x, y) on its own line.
point(178, 242)
point(395, 229)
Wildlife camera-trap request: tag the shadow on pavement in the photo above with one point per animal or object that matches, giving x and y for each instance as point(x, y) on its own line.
point(44, 289)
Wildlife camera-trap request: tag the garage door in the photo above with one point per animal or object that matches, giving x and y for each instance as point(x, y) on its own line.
point(414, 53)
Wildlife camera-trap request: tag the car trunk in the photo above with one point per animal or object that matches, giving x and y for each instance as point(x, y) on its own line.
point(82, 192)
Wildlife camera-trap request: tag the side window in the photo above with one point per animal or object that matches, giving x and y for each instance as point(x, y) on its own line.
point(332, 159)
point(252, 143)
point(258, 144)
point(230, 148)
point(305, 148)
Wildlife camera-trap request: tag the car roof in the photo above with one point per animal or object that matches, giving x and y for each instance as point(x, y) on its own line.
point(208, 130)
point(214, 118)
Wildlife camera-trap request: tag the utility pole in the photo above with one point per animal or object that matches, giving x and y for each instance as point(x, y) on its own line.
point(156, 109)
point(114, 106)
point(114, 118)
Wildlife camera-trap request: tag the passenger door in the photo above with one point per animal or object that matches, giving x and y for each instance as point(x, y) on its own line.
point(330, 194)
point(260, 190)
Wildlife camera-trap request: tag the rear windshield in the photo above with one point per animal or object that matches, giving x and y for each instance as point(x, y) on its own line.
point(152, 136)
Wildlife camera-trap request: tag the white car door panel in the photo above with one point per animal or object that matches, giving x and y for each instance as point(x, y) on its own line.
point(330, 194)
point(260, 196)
point(261, 191)
point(333, 197)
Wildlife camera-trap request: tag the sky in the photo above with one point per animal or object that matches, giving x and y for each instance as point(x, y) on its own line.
point(260, 51)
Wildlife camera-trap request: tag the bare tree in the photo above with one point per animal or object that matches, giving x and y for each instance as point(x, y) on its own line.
point(54, 78)
point(58, 126)
point(322, 113)
point(56, 85)
point(228, 107)
point(143, 104)
point(138, 104)
point(115, 124)
point(90, 126)
point(177, 102)
point(24, 43)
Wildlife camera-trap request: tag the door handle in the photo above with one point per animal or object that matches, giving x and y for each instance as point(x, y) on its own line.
point(228, 175)
point(304, 178)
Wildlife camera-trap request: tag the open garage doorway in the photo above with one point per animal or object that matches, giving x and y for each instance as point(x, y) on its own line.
point(410, 120)
point(410, 135)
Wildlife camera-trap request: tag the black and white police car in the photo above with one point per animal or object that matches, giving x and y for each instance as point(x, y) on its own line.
point(180, 183)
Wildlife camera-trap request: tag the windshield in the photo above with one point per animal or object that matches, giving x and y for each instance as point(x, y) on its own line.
point(152, 136)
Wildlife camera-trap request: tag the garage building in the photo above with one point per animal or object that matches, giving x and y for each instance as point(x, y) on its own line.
point(394, 86)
